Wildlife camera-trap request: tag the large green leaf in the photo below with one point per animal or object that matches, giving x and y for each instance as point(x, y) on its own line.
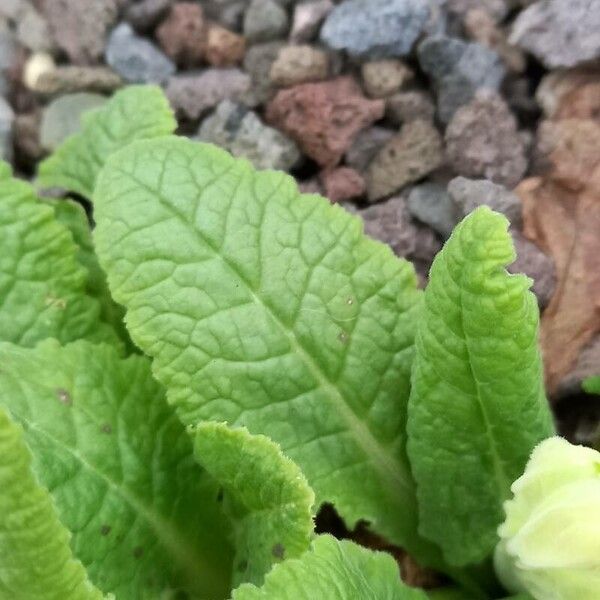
point(119, 466)
point(73, 216)
point(42, 285)
point(134, 113)
point(270, 309)
point(267, 497)
point(36, 562)
point(477, 405)
point(333, 570)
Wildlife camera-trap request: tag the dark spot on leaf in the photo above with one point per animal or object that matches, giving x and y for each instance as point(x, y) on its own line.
point(64, 396)
point(278, 551)
point(242, 565)
point(105, 529)
point(137, 552)
point(220, 495)
point(106, 428)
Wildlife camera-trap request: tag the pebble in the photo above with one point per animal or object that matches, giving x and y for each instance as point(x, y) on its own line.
point(182, 35)
point(410, 155)
point(299, 64)
point(497, 9)
point(229, 13)
point(365, 146)
point(375, 28)
point(62, 117)
point(405, 107)
point(80, 28)
point(535, 264)
point(8, 56)
point(390, 223)
point(36, 66)
point(458, 69)
point(69, 79)
point(224, 48)
point(265, 20)
point(257, 63)
point(342, 184)
point(136, 59)
point(431, 204)
point(560, 33)
point(33, 32)
point(307, 20)
point(482, 140)
point(7, 117)
point(324, 117)
point(145, 15)
point(27, 137)
point(237, 129)
point(192, 95)
point(385, 77)
point(468, 194)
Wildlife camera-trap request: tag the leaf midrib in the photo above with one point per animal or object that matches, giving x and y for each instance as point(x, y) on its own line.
point(391, 470)
point(178, 547)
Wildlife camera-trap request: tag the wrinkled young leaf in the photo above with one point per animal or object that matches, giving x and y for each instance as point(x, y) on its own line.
point(72, 215)
point(268, 497)
point(42, 285)
point(335, 570)
point(134, 113)
point(120, 469)
point(36, 562)
point(270, 309)
point(477, 406)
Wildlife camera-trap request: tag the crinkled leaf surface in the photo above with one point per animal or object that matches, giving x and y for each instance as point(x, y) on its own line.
point(477, 406)
point(42, 285)
point(134, 113)
point(267, 497)
point(270, 309)
point(72, 215)
point(120, 469)
point(333, 570)
point(36, 562)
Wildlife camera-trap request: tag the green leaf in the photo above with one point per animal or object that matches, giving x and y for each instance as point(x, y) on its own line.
point(134, 113)
point(477, 406)
point(73, 216)
point(36, 562)
point(591, 385)
point(120, 469)
point(269, 309)
point(269, 499)
point(42, 285)
point(333, 570)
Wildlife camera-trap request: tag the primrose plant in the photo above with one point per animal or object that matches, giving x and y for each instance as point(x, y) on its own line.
point(272, 359)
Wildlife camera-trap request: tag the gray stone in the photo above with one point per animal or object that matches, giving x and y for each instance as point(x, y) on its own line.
point(192, 95)
point(229, 13)
point(69, 79)
point(13, 9)
point(257, 63)
point(560, 33)
point(535, 264)
point(265, 20)
point(405, 107)
point(135, 58)
point(390, 223)
point(299, 64)
point(498, 9)
point(146, 14)
point(482, 140)
point(33, 31)
point(458, 69)
point(431, 204)
point(236, 128)
point(468, 194)
point(375, 28)
point(409, 156)
point(366, 145)
point(80, 28)
point(62, 117)
point(7, 118)
point(8, 55)
point(307, 19)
